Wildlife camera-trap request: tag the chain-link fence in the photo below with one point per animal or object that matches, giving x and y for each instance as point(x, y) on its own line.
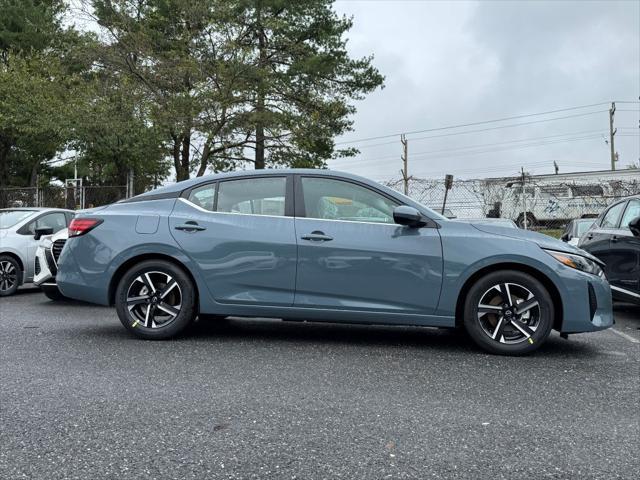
point(61, 197)
point(541, 202)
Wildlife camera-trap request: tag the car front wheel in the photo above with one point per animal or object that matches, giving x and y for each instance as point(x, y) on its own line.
point(155, 300)
point(509, 313)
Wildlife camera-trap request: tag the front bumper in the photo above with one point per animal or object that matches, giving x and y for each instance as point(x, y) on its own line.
point(588, 305)
point(45, 267)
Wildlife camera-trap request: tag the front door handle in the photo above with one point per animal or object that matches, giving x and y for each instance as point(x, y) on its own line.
point(190, 227)
point(316, 236)
point(614, 239)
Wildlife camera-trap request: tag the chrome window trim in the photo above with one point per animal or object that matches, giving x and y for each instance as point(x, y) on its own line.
point(348, 221)
point(197, 207)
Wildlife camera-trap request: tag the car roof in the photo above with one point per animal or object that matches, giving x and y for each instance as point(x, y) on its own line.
point(36, 209)
point(185, 184)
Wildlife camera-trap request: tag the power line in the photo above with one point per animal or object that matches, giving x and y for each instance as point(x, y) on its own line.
point(476, 152)
point(501, 143)
point(493, 128)
point(484, 122)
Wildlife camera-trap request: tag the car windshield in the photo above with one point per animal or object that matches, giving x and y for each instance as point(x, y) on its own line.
point(583, 227)
point(8, 218)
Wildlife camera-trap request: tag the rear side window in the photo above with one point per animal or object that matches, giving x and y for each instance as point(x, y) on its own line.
point(632, 211)
point(612, 216)
point(203, 196)
point(255, 196)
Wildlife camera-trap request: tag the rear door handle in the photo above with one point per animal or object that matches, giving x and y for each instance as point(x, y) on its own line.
point(190, 227)
point(316, 236)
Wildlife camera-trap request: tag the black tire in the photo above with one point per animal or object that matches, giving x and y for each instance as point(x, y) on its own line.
point(158, 317)
point(10, 275)
point(501, 325)
point(532, 222)
point(52, 292)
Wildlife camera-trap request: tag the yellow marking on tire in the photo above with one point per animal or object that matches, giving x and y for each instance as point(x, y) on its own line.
point(531, 340)
point(138, 321)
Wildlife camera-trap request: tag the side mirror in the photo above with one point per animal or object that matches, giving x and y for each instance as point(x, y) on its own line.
point(42, 231)
point(565, 237)
point(409, 216)
point(634, 226)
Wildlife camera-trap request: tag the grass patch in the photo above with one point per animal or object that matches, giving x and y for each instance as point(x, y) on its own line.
point(552, 232)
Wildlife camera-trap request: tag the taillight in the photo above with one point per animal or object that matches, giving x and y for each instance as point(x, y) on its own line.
point(80, 226)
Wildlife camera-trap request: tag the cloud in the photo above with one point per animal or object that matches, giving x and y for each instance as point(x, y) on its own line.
point(449, 63)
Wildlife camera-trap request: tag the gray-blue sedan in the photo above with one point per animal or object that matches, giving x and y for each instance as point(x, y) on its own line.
point(325, 246)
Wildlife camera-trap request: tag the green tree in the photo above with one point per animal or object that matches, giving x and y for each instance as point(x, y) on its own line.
point(229, 76)
point(113, 136)
point(34, 85)
point(181, 54)
point(303, 81)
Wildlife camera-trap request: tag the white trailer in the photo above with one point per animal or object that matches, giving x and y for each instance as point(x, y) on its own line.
point(545, 200)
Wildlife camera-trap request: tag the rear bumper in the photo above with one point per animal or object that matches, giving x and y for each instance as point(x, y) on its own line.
point(73, 284)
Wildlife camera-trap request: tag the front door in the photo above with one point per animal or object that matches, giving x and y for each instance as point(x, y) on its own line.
point(237, 232)
point(352, 256)
point(624, 258)
point(597, 241)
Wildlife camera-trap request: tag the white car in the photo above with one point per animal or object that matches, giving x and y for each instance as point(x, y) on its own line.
point(46, 263)
point(20, 233)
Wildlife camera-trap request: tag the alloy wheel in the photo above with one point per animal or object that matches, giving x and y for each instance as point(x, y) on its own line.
point(509, 313)
point(8, 276)
point(154, 300)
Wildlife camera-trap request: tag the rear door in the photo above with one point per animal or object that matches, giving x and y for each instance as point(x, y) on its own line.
point(352, 256)
point(624, 258)
point(240, 232)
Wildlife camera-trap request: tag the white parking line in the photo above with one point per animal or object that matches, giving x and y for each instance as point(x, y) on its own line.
point(624, 335)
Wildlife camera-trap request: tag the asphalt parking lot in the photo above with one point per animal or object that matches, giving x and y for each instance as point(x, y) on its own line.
point(81, 399)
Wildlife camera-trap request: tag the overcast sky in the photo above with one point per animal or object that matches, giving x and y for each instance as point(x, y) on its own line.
point(451, 63)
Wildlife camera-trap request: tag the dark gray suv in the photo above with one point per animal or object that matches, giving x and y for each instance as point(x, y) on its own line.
point(615, 239)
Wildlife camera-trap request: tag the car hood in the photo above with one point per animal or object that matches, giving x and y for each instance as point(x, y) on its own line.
point(544, 241)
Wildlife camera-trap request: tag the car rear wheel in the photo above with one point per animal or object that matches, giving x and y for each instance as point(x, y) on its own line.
point(10, 275)
point(155, 300)
point(509, 313)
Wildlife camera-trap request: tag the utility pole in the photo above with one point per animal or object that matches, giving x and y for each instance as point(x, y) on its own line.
point(405, 159)
point(612, 132)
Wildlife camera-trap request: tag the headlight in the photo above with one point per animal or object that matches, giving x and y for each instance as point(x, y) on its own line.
point(578, 262)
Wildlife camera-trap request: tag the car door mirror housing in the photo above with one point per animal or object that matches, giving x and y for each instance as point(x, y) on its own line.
point(42, 231)
point(634, 226)
point(409, 216)
point(565, 237)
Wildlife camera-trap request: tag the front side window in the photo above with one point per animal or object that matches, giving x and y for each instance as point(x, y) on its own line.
point(632, 212)
point(612, 216)
point(331, 199)
point(56, 221)
point(255, 196)
point(203, 196)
